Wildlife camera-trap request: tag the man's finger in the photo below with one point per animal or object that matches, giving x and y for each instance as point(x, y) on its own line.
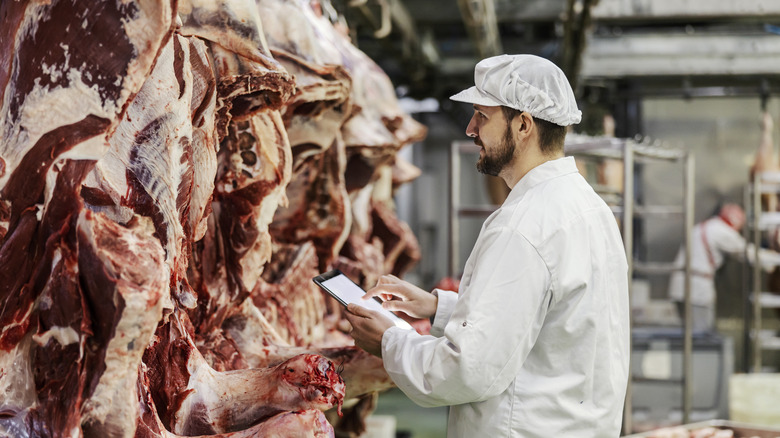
point(375, 292)
point(396, 305)
point(359, 310)
point(395, 290)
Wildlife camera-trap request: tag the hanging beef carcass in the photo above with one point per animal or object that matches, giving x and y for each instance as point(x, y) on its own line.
point(249, 79)
point(319, 206)
point(372, 136)
point(155, 161)
point(182, 166)
point(194, 399)
point(265, 141)
point(69, 305)
point(75, 374)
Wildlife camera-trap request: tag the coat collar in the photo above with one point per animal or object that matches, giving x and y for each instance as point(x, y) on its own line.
point(541, 173)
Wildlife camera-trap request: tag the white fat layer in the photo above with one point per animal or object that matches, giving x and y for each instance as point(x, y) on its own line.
point(56, 257)
point(115, 395)
point(321, 130)
point(289, 30)
point(256, 335)
point(49, 107)
point(17, 388)
point(204, 155)
point(201, 389)
point(161, 156)
point(266, 126)
point(63, 335)
point(245, 12)
point(383, 188)
point(361, 208)
point(51, 182)
point(342, 162)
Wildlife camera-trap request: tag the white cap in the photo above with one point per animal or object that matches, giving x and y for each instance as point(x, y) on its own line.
point(526, 83)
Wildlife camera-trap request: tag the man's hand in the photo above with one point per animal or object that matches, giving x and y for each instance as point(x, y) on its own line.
point(368, 327)
point(399, 295)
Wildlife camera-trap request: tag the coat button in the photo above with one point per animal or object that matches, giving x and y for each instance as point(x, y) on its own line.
point(464, 324)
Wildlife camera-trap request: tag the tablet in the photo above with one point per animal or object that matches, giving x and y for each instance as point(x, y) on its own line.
point(346, 291)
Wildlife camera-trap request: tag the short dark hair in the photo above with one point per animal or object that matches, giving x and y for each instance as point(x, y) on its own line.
point(551, 136)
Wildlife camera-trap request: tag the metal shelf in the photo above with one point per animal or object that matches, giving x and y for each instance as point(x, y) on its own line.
point(768, 220)
point(652, 210)
point(476, 210)
point(767, 300)
point(610, 147)
point(767, 183)
point(657, 267)
point(769, 342)
point(760, 222)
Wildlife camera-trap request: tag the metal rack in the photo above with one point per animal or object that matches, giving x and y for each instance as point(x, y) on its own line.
point(764, 183)
point(456, 211)
point(630, 152)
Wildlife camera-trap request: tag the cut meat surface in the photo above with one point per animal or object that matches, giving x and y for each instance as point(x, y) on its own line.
point(172, 175)
point(196, 399)
point(319, 208)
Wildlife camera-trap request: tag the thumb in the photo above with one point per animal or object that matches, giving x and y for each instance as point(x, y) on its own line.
point(358, 310)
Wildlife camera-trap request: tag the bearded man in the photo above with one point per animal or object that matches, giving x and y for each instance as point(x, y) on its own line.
point(536, 342)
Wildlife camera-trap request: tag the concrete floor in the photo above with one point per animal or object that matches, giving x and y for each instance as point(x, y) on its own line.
point(412, 421)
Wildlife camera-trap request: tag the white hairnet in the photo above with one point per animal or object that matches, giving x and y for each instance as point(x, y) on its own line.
point(526, 83)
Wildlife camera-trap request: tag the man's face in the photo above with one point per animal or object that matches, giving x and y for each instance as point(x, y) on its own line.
point(493, 133)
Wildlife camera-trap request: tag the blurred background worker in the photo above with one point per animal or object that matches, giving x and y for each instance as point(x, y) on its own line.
point(711, 241)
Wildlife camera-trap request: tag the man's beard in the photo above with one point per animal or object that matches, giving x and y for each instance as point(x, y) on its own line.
point(493, 163)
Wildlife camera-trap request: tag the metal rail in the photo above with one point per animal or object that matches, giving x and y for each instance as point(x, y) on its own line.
point(688, 334)
point(756, 273)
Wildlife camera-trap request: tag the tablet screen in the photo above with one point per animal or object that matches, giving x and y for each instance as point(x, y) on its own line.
point(346, 291)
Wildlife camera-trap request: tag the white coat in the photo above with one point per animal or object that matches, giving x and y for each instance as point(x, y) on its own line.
point(536, 344)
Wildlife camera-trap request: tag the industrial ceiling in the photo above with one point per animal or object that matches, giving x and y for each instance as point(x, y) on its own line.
point(613, 51)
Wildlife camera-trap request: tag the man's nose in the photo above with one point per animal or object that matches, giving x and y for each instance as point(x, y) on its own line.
point(471, 129)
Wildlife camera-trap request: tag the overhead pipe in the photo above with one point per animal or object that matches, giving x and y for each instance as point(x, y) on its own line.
point(479, 16)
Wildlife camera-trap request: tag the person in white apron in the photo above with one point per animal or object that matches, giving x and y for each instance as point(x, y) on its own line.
point(713, 240)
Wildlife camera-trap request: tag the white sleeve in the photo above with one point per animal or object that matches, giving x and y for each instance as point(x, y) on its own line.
point(769, 259)
point(725, 239)
point(492, 328)
point(730, 241)
point(444, 309)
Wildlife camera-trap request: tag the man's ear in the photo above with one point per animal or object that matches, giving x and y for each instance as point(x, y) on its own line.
point(524, 125)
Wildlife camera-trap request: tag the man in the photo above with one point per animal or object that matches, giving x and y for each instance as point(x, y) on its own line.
point(536, 343)
point(711, 241)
